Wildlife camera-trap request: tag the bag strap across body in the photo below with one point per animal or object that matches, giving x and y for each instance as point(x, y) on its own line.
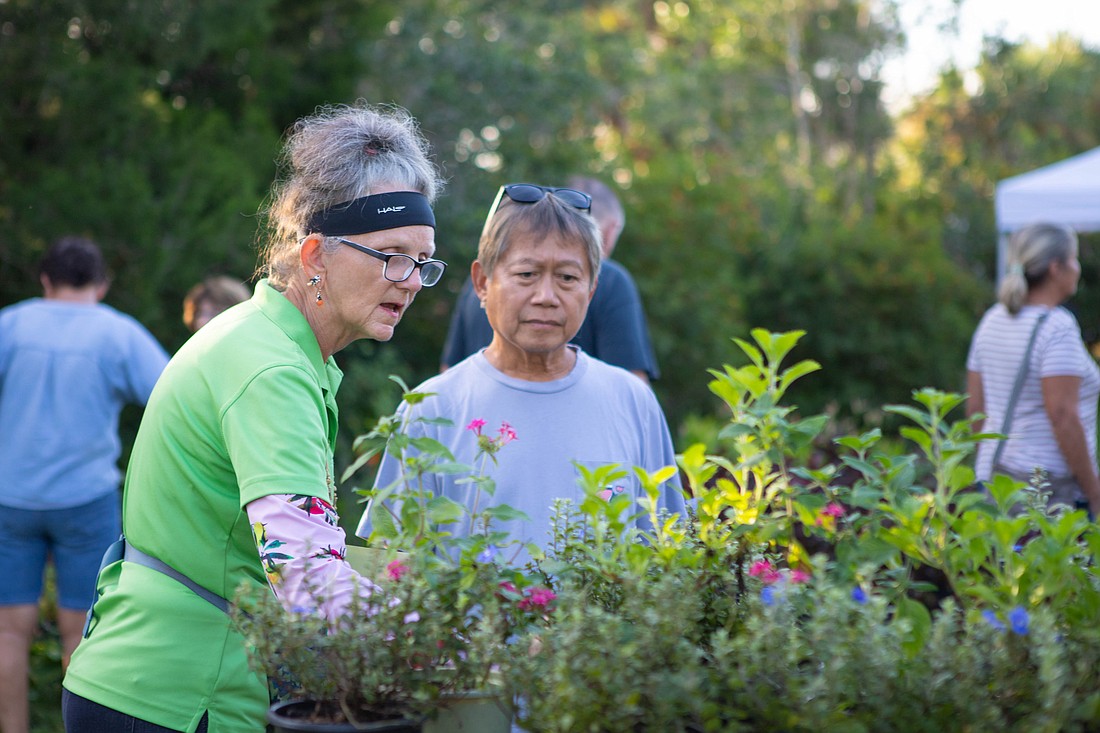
point(134, 555)
point(120, 549)
point(1017, 388)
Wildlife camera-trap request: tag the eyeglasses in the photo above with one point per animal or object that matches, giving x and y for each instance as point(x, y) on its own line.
point(529, 193)
point(397, 268)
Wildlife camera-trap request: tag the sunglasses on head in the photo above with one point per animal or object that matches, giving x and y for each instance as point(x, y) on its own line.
point(529, 193)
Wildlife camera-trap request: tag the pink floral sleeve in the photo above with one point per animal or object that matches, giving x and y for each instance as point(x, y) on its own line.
point(302, 548)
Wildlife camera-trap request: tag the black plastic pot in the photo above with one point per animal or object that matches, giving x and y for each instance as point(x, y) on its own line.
point(293, 717)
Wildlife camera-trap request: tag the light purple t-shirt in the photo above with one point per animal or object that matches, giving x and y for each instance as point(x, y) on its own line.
point(596, 415)
point(66, 371)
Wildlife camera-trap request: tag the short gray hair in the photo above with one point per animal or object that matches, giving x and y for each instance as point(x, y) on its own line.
point(549, 215)
point(606, 206)
point(1031, 251)
point(340, 153)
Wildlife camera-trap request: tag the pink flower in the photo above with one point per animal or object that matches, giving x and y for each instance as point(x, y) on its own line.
point(763, 569)
point(537, 598)
point(609, 492)
point(828, 516)
point(396, 570)
point(759, 568)
point(799, 576)
point(507, 434)
point(476, 425)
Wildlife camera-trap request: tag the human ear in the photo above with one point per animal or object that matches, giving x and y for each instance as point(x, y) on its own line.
point(311, 254)
point(480, 280)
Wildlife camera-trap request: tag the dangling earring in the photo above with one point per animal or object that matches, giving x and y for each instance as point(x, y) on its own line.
point(315, 281)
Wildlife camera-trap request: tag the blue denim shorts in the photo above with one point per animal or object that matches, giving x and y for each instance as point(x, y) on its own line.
point(74, 538)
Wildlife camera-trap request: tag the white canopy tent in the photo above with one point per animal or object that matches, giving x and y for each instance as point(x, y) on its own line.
point(1066, 192)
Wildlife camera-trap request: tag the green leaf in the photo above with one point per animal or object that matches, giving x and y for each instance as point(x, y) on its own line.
point(912, 413)
point(431, 447)
point(451, 468)
point(863, 442)
point(920, 437)
point(442, 510)
point(415, 398)
point(359, 462)
point(797, 371)
point(506, 513)
point(751, 351)
point(381, 522)
point(919, 624)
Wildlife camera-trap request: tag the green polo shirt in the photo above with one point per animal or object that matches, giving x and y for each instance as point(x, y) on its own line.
point(245, 409)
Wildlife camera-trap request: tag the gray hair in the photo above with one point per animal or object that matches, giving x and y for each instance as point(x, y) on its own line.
point(338, 154)
point(1031, 251)
point(547, 216)
point(606, 206)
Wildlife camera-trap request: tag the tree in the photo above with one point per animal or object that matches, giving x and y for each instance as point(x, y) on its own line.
point(1023, 107)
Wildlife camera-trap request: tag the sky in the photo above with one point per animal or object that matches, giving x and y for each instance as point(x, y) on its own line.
point(1016, 20)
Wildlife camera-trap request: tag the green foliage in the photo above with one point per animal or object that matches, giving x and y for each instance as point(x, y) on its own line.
point(426, 631)
point(152, 127)
point(846, 636)
point(816, 659)
point(617, 671)
point(1028, 111)
point(790, 199)
point(436, 622)
point(405, 515)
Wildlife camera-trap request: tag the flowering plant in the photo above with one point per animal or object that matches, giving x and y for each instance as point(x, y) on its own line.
point(876, 592)
point(426, 632)
point(438, 621)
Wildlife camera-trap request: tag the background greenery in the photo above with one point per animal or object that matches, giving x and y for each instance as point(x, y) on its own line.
point(765, 182)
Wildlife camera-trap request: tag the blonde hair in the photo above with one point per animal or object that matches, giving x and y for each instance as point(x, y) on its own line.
point(1031, 251)
point(340, 153)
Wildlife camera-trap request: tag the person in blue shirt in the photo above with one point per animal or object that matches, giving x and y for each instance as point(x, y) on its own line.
point(615, 329)
point(68, 365)
point(557, 408)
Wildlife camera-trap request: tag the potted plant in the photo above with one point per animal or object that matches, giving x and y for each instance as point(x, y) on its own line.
point(422, 652)
point(429, 636)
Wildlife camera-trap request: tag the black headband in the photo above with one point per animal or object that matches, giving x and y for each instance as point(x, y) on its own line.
point(373, 214)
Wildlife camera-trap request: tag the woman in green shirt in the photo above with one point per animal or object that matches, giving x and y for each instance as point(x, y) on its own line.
point(234, 453)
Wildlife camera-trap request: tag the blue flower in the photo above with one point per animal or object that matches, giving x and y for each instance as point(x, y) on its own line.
point(859, 595)
point(992, 620)
point(1018, 620)
point(767, 595)
point(487, 554)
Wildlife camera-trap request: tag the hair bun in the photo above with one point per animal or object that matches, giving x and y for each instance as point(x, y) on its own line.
point(376, 145)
